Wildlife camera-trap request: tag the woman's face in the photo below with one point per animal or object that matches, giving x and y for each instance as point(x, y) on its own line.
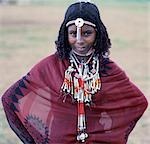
point(84, 44)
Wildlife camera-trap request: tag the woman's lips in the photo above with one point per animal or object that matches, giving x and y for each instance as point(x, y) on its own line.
point(80, 47)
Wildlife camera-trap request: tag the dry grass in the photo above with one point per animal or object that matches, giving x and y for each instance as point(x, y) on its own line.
point(27, 34)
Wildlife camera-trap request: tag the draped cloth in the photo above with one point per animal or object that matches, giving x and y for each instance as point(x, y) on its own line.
point(39, 113)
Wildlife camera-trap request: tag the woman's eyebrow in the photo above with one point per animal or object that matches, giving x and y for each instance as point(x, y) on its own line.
point(71, 30)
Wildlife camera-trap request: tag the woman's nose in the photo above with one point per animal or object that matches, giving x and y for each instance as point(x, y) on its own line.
point(80, 40)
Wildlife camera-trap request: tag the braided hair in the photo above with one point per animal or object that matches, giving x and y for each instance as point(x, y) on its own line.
point(89, 12)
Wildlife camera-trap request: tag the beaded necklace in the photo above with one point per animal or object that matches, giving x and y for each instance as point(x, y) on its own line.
point(82, 81)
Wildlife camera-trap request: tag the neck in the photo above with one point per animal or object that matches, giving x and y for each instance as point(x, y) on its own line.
point(91, 50)
point(84, 57)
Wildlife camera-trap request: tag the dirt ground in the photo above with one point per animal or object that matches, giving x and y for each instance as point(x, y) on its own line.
point(27, 34)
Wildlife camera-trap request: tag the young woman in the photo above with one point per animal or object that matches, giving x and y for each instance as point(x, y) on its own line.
point(77, 95)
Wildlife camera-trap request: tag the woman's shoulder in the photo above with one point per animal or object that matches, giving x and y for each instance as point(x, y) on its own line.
point(113, 71)
point(111, 67)
point(50, 63)
point(44, 63)
point(114, 67)
point(48, 60)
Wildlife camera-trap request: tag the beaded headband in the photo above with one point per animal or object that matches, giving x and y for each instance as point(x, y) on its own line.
point(80, 21)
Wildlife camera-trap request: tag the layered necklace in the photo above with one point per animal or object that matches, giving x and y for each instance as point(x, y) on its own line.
point(82, 81)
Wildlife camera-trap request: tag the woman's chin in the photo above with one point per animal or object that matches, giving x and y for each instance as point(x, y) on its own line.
point(81, 51)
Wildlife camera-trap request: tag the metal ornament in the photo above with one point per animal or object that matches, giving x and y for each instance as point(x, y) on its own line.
point(79, 22)
point(82, 81)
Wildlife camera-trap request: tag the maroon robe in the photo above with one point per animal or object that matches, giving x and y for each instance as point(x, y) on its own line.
point(40, 114)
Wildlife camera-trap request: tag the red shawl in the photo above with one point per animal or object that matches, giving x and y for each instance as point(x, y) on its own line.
point(40, 114)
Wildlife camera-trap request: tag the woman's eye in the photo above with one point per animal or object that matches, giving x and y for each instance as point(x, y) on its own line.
point(87, 33)
point(72, 33)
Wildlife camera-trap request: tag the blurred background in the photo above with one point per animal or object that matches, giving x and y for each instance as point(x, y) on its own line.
point(28, 29)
